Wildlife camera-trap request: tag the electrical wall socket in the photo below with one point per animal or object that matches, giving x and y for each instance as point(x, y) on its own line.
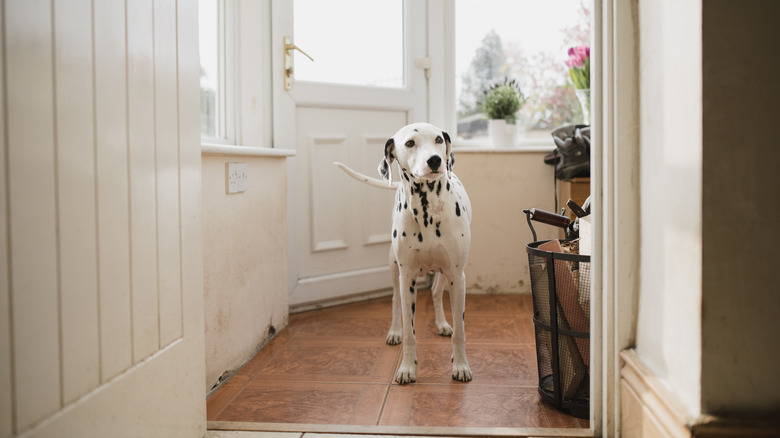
point(236, 177)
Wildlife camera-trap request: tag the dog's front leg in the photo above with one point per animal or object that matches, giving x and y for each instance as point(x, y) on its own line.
point(407, 372)
point(395, 333)
point(460, 365)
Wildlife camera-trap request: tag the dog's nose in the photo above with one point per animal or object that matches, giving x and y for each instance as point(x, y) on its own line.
point(434, 162)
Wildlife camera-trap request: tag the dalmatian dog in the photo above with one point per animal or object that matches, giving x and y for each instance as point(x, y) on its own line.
point(431, 233)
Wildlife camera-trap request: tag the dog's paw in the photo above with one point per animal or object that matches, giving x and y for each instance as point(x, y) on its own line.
point(461, 373)
point(406, 375)
point(444, 329)
point(394, 337)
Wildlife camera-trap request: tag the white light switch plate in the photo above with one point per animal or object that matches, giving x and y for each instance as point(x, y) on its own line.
point(236, 177)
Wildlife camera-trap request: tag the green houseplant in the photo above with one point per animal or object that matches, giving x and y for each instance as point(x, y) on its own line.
point(500, 103)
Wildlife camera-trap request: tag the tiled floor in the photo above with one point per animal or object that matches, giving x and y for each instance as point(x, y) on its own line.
point(333, 366)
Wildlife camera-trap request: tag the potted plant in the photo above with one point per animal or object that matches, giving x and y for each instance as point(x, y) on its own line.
point(500, 103)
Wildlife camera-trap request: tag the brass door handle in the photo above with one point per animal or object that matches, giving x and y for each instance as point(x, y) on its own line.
point(288, 69)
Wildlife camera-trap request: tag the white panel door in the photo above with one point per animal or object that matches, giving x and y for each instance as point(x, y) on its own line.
point(101, 321)
point(362, 86)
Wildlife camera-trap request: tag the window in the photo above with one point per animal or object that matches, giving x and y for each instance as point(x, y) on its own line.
point(343, 37)
point(216, 84)
point(524, 40)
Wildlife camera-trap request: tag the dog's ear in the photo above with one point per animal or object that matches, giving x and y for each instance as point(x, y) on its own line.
point(450, 156)
point(386, 165)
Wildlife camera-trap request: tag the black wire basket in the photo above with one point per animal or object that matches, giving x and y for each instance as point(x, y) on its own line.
point(560, 289)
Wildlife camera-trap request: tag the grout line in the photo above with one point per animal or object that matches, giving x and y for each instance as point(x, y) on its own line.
point(389, 385)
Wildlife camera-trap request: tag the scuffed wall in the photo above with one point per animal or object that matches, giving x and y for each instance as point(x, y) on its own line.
point(245, 260)
point(501, 183)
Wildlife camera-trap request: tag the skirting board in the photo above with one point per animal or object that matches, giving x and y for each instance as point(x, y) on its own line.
point(648, 409)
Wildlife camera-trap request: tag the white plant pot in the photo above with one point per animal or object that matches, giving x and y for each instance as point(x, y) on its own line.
point(502, 134)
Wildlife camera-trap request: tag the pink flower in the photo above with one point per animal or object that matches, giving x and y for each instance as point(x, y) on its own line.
point(579, 66)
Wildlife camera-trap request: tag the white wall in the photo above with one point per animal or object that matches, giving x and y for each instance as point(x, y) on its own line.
point(245, 260)
point(668, 335)
point(501, 184)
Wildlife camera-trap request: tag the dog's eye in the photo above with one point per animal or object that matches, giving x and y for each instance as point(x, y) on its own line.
point(409, 143)
point(439, 140)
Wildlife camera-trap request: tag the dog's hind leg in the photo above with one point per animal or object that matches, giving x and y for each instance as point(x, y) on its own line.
point(437, 290)
point(460, 365)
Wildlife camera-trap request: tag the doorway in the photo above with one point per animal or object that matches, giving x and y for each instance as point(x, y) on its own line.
point(309, 97)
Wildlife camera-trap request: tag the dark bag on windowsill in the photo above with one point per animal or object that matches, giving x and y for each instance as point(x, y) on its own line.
point(571, 157)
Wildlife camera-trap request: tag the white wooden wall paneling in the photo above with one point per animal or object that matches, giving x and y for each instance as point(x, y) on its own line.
point(92, 172)
point(113, 188)
point(75, 154)
point(166, 94)
point(33, 210)
point(143, 178)
point(6, 387)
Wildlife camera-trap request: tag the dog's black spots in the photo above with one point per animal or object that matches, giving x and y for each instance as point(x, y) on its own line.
point(464, 316)
point(383, 169)
point(411, 289)
point(414, 282)
point(448, 186)
point(415, 130)
point(414, 211)
point(419, 237)
point(457, 209)
point(420, 269)
point(413, 306)
point(431, 185)
point(450, 283)
point(395, 233)
point(438, 233)
point(406, 177)
point(462, 235)
point(425, 220)
point(403, 233)
point(399, 206)
point(438, 189)
point(406, 205)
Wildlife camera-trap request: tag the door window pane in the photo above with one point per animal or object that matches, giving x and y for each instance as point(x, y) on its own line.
point(209, 68)
point(356, 42)
point(524, 40)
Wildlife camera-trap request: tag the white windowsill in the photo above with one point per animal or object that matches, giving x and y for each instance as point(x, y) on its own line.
point(245, 151)
point(487, 148)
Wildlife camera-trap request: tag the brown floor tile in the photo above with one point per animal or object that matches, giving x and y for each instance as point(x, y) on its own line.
point(332, 327)
point(365, 362)
point(503, 364)
point(556, 418)
point(463, 406)
point(317, 403)
point(222, 397)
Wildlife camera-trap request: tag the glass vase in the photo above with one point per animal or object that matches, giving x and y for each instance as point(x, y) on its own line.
point(583, 95)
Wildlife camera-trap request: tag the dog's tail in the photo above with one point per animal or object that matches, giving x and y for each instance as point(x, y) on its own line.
point(375, 182)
